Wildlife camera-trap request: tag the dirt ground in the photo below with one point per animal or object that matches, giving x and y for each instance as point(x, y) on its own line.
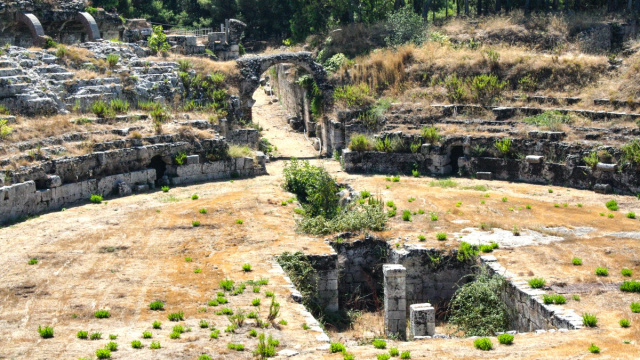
point(127, 252)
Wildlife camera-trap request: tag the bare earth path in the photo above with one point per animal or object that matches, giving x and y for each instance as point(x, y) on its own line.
point(124, 254)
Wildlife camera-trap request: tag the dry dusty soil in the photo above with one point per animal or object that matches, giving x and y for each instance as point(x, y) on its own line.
point(125, 253)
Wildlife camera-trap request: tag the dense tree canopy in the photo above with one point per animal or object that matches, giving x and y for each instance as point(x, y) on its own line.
point(297, 19)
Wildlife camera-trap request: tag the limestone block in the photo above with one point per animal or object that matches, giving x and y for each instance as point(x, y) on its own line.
point(603, 188)
point(607, 167)
point(422, 320)
point(193, 159)
point(124, 189)
point(188, 170)
point(141, 188)
point(483, 175)
point(534, 159)
point(53, 181)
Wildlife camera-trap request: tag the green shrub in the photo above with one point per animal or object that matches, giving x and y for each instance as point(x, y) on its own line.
point(96, 199)
point(178, 316)
point(591, 160)
point(157, 42)
point(483, 344)
point(112, 346)
point(45, 332)
point(625, 323)
point(156, 305)
point(631, 215)
point(576, 261)
point(112, 60)
point(403, 26)
point(337, 347)
point(602, 271)
point(100, 109)
point(246, 267)
point(82, 335)
point(486, 88)
point(383, 357)
point(255, 302)
point(537, 283)
point(476, 307)
point(549, 120)
point(236, 347)
point(631, 152)
point(5, 130)
point(155, 345)
point(195, 223)
point(165, 189)
point(226, 285)
point(95, 336)
point(156, 324)
point(441, 236)
point(136, 344)
point(406, 215)
point(594, 349)
point(467, 252)
point(32, 261)
point(175, 335)
point(589, 320)
point(505, 339)
point(626, 272)
point(612, 205)
point(119, 106)
point(635, 307)
point(353, 96)
point(503, 146)
point(430, 134)
point(314, 187)
point(348, 356)
point(146, 335)
point(405, 355)
point(394, 352)
point(103, 354)
point(559, 299)
point(214, 334)
point(204, 357)
point(360, 142)
point(102, 314)
point(379, 344)
point(455, 87)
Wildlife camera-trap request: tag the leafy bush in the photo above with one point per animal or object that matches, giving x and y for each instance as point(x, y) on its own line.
point(483, 344)
point(455, 88)
point(136, 344)
point(379, 344)
point(635, 307)
point(119, 106)
point(360, 142)
point(505, 339)
point(146, 335)
point(589, 320)
point(477, 308)
point(5, 130)
point(594, 349)
point(467, 252)
point(156, 324)
point(441, 236)
point(45, 332)
point(100, 109)
point(32, 261)
point(82, 335)
point(102, 314)
point(612, 205)
point(631, 152)
point(156, 305)
point(503, 146)
point(236, 347)
point(335, 62)
point(626, 272)
point(591, 160)
point(430, 134)
point(353, 96)
point(383, 357)
point(95, 336)
point(602, 271)
point(625, 323)
point(537, 283)
point(103, 354)
point(165, 189)
point(155, 345)
point(112, 60)
point(179, 316)
point(356, 217)
point(112, 346)
point(406, 215)
point(337, 347)
point(96, 199)
point(405, 355)
point(314, 187)
point(486, 88)
point(394, 352)
point(157, 42)
point(405, 26)
point(576, 261)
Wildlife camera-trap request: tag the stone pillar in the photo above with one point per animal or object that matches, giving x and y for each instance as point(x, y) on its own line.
point(326, 267)
point(422, 320)
point(395, 300)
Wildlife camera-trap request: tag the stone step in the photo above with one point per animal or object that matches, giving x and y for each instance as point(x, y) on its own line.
point(84, 102)
point(7, 64)
point(59, 76)
point(50, 69)
point(88, 90)
point(97, 81)
point(16, 79)
point(153, 77)
point(13, 90)
point(153, 70)
point(10, 72)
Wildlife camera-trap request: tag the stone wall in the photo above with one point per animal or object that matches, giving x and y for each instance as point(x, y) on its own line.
point(529, 312)
point(326, 267)
point(433, 276)
point(293, 98)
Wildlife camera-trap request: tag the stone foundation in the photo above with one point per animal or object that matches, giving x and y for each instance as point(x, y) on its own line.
point(395, 301)
point(422, 320)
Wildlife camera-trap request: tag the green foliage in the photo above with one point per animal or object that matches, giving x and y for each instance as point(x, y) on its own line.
point(353, 96)
point(631, 215)
point(406, 215)
point(602, 271)
point(112, 60)
point(455, 87)
point(537, 283)
point(335, 62)
point(165, 189)
point(379, 344)
point(156, 305)
point(576, 261)
point(302, 274)
point(594, 349)
point(430, 134)
point(95, 336)
point(549, 120)
point(112, 346)
point(483, 344)
point(178, 316)
point(354, 218)
point(403, 26)
point(82, 335)
point(626, 272)
point(236, 347)
point(441, 236)
point(226, 284)
point(119, 106)
point(591, 160)
point(467, 252)
point(255, 302)
point(314, 187)
point(405, 355)
point(394, 352)
point(477, 308)
point(32, 261)
point(204, 357)
point(49, 43)
point(103, 354)
point(136, 344)
point(360, 142)
point(266, 348)
point(612, 205)
point(505, 339)
point(631, 152)
point(45, 332)
point(503, 146)
point(102, 314)
point(486, 88)
point(101, 109)
point(635, 307)
point(383, 357)
point(194, 197)
point(337, 347)
point(625, 323)
point(155, 345)
point(589, 320)
point(157, 42)
point(5, 130)
point(246, 267)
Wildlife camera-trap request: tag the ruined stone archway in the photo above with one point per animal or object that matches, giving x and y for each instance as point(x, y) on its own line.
point(251, 68)
point(90, 25)
point(34, 26)
point(76, 28)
